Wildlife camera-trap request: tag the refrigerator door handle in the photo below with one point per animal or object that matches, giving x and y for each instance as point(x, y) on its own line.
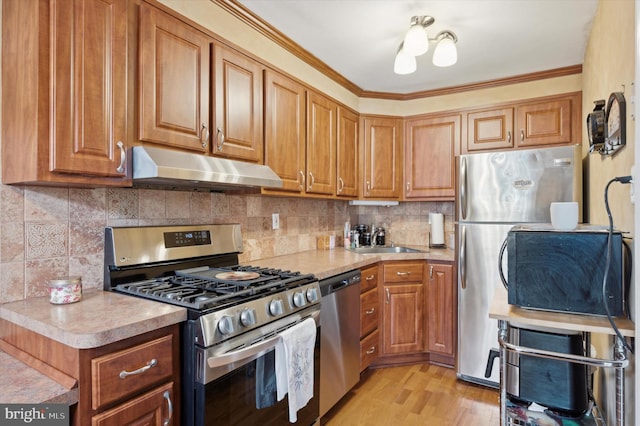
point(463, 187)
point(463, 255)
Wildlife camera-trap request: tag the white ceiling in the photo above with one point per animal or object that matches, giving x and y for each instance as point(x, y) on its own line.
point(496, 38)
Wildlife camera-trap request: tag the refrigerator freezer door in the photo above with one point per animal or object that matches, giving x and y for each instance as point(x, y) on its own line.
point(518, 186)
point(478, 277)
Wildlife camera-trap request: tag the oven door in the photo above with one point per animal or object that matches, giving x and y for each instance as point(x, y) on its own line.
point(241, 388)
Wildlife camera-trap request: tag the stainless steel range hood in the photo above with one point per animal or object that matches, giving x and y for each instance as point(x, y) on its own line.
point(169, 169)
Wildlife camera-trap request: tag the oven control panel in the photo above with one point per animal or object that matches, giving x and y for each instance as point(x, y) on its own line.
point(215, 327)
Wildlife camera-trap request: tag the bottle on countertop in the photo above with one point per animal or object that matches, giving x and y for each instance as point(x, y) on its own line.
point(347, 234)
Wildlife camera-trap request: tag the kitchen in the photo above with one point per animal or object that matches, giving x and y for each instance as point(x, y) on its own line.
point(59, 231)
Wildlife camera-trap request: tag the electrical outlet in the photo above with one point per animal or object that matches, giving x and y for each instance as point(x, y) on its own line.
point(632, 188)
point(275, 221)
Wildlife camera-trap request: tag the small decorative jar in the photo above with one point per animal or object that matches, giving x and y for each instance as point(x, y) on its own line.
point(65, 290)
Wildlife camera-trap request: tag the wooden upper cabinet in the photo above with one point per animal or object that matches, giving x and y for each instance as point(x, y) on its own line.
point(238, 106)
point(347, 153)
point(321, 144)
point(174, 68)
point(284, 134)
point(64, 92)
point(549, 122)
point(431, 144)
point(552, 120)
point(490, 129)
point(382, 156)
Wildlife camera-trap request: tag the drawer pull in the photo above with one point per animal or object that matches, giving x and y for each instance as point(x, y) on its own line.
point(370, 277)
point(400, 274)
point(370, 311)
point(371, 350)
point(167, 396)
point(152, 363)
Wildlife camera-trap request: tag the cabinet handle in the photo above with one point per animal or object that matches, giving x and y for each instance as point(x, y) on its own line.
point(402, 274)
point(302, 181)
point(388, 295)
point(370, 277)
point(312, 180)
point(509, 136)
point(408, 187)
point(204, 135)
point(370, 311)
point(150, 364)
point(431, 272)
point(123, 157)
point(167, 396)
point(371, 350)
point(220, 138)
point(521, 135)
point(368, 187)
point(341, 188)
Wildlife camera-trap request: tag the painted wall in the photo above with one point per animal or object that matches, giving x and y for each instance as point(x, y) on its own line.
point(609, 66)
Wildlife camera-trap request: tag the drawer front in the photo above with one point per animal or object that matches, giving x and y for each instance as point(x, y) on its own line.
point(369, 349)
point(120, 374)
point(403, 272)
point(368, 312)
point(369, 278)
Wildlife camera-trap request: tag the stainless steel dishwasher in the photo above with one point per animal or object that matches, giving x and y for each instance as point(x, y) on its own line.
point(340, 337)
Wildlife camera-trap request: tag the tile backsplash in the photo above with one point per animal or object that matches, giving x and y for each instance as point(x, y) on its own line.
point(48, 232)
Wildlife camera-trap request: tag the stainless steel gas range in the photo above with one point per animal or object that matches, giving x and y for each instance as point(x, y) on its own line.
point(236, 314)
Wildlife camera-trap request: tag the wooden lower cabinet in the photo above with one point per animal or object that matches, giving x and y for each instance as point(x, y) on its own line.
point(369, 317)
point(418, 312)
point(154, 408)
point(135, 381)
point(441, 313)
point(403, 322)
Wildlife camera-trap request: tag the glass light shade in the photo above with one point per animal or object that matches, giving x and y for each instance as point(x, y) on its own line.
point(446, 53)
point(404, 63)
point(416, 41)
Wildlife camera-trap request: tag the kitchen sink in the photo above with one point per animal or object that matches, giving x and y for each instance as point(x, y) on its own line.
point(384, 250)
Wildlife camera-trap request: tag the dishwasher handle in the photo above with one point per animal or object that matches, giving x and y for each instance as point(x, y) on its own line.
point(338, 282)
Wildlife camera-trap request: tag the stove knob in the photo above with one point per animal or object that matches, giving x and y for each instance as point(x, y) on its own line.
point(299, 300)
point(248, 317)
point(312, 294)
point(225, 325)
point(276, 307)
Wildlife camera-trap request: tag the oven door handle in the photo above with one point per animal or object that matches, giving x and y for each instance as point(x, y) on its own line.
point(244, 353)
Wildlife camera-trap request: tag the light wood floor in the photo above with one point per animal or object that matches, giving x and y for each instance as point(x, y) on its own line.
point(415, 395)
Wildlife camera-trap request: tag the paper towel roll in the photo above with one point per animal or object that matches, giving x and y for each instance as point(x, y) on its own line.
point(437, 228)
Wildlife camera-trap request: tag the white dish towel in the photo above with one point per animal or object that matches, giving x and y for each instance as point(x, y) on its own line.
point(294, 365)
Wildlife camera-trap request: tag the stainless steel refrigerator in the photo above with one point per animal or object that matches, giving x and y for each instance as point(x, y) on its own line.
point(497, 190)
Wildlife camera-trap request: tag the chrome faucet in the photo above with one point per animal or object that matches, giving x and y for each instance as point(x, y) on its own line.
point(374, 235)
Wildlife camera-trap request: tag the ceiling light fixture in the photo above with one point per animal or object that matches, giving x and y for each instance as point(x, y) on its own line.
point(416, 43)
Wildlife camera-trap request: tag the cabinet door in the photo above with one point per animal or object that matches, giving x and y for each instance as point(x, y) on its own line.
point(347, 153)
point(430, 150)
point(174, 82)
point(321, 144)
point(88, 74)
point(403, 320)
point(238, 106)
point(441, 312)
point(489, 129)
point(154, 408)
point(284, 135)
point(382, 170)
point(545, 123)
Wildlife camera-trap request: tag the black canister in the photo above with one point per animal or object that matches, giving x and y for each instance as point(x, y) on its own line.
point(366, 239)
point(380, 237)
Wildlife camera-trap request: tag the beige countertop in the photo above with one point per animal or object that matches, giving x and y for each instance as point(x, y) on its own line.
point(22, 384)
point(501, 310)
point(99, 318)
point(326, 263)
